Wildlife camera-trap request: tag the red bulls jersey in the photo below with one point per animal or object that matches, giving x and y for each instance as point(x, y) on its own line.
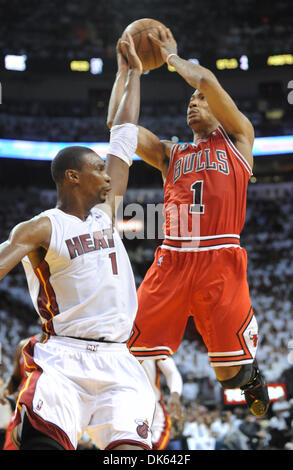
point(205, 194)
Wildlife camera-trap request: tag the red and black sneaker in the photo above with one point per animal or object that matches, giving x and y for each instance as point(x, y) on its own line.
point(256, 394)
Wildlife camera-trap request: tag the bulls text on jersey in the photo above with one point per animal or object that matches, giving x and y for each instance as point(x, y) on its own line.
point(199, 161)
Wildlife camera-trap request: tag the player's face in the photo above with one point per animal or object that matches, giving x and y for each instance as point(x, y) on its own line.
point(198, 111)
point(94, 181)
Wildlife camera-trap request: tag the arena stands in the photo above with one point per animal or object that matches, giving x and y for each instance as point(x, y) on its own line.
point(69, 122)
point(50, 33)
point(76, 30)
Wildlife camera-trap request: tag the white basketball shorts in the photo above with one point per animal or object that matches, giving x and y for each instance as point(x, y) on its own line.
point(78, 386)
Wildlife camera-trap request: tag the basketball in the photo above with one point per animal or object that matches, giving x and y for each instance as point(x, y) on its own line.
point(148, 52)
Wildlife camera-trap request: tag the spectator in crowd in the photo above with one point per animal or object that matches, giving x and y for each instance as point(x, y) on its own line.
point(228, 435)
point(252, 429)
point(281, 432)
point(190, 388)
point(197, 430)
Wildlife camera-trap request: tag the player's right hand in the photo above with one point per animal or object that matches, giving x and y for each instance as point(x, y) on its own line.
point(166, 43)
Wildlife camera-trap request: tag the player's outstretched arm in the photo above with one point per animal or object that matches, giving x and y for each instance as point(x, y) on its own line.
point(124, 130)
point(175, 385)
point(220, 102)
point(149, 147)
point(118, 86)
point(153, 151)
point(24, 238)
point(129, 107)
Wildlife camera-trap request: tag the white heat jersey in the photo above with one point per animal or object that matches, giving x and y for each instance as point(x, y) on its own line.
point(85, 286)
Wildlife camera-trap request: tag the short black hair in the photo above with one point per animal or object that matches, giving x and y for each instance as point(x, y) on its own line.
point(68, 158)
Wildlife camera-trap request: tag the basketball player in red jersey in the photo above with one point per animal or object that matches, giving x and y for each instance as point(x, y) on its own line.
point(81, 375)
point(200, 269)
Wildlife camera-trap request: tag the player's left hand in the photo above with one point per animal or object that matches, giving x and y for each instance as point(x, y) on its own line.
point(132, 57)
point(166, 43)
point(121, 59)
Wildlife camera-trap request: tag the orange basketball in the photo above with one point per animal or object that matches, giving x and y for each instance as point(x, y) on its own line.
point(148, 52)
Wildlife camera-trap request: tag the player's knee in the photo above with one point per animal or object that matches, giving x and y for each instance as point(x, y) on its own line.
point(242, 377)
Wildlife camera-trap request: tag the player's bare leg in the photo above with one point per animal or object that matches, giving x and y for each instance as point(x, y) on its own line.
point(225, 373)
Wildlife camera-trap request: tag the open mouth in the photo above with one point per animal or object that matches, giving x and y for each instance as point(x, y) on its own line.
point(193, 113)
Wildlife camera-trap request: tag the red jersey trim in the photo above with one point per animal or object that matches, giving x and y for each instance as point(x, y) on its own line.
point(27, 353)
point(240, 157)
point(127, 441)
point(172, 151)
point(47, 303)
point(164, 438)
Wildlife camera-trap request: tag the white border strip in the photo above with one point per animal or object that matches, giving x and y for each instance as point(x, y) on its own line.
point(232, 363)
point(230, 353)
point(202, 248)
point(157, 348)
point(172, 151)
point(209, 237)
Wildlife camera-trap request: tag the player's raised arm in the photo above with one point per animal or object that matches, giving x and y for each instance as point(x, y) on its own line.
point(124, 130)
point(175, 384)
point(24, 238)
point(220, 102)
point(118, 86)
point(153, 151)
point(149, 147)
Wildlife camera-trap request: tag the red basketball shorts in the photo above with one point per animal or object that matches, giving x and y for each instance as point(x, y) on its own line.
point(211, 286)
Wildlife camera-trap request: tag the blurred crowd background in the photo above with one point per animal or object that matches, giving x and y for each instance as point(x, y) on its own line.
point(47, 103)
point(51, 35)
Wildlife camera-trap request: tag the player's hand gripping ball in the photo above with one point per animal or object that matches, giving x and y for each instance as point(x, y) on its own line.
point(148, 52)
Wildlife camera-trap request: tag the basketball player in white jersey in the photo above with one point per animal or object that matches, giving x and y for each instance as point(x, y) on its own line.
point(81, 376)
